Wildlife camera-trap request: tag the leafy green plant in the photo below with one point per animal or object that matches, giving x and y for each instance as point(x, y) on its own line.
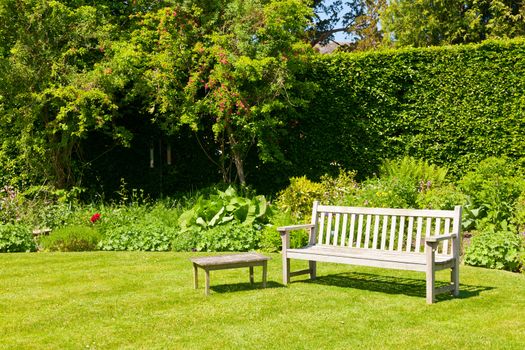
point(71, 239)
point(229, 237)
point(16, 238)
point(337, 189)
point(223, 207)
point(149, 234)
point(496, 248)
point(271, 239)
point(519, 213)
point(494, 188)
point(445, 197)
point(298, 197)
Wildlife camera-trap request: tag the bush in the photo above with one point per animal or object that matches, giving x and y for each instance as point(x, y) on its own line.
point(298, 197)
point(444, 198)
point(71, 239)
point(493, 188)
point(495, 248)
point(16, 238)
point(271, 239)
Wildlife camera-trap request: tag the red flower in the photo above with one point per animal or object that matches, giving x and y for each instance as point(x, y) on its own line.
point(95, 218)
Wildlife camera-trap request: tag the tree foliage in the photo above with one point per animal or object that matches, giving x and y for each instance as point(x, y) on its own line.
point(49, 101)
point(426, 23)
point(357, 19)
point(243, 79)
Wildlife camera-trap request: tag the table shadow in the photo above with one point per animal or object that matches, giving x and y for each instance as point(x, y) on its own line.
point(246, 286)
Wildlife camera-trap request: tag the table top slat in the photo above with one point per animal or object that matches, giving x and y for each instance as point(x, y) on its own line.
point(229, 259)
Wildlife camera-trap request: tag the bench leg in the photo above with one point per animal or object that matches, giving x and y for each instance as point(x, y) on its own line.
point(265, 269)
point(313, 269)
point(454, 277)
point(195, 277)
point(207, 290)
point(430, 273)
point(286, 270)
point(251, 274)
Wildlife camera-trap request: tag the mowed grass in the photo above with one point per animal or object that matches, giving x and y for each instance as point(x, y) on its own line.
point(135, 300)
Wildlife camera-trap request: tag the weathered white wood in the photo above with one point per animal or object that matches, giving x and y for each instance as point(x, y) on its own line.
point(359, 231)
point(384, 232)
point(400, 239)
point(430, 273)
point(336, 230)
point(345, 224)
point(392, 233)
point(314, 223)
point(387, 211)
point(456, 229)
point(195, 277)
point(369, 254)
point(294, 227)
point(207, 282)
point(428, 228)
point(300, 272)
point(418, 234)
point(409, 233)
point(437, 230)
point(313, 269)
point(367, 230)
point(440, 238)
point(328, 229)
point(321, 228)
point(376, 232)
point(351, 233)
point(446, 233)
point(340, 241)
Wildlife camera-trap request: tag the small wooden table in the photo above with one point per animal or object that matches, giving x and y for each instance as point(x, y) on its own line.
point(230, 261)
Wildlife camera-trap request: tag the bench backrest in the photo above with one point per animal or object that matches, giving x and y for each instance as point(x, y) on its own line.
point(383, 228)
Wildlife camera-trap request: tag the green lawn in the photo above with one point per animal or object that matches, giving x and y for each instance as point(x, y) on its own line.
point(147, 301)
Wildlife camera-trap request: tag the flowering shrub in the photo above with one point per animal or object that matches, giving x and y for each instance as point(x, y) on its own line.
point(95, 218)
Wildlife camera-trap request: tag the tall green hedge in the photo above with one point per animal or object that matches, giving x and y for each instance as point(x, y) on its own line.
point(451, 105)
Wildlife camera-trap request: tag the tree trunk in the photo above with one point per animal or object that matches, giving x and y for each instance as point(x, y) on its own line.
point(239, 165)
point(237, 157)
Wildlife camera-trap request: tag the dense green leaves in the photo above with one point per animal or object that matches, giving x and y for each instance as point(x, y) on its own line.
point(425, 22)
point(452, 106)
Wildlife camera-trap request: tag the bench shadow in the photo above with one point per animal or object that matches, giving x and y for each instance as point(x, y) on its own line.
point(393, 285)
point(241, 287)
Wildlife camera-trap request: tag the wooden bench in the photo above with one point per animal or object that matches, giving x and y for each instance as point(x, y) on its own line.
point(230, 261)
point(406, 239)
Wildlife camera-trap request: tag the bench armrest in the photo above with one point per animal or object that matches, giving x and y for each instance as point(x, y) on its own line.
point(437, 239)
point(286, 229)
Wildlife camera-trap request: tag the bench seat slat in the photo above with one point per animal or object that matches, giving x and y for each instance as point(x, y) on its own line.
point(355, 256)
point(369, 254)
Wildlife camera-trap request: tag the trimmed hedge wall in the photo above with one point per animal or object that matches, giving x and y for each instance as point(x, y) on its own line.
point(452, 106)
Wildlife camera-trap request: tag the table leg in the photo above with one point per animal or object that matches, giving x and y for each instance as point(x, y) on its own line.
point(195, 277)
point(251, 274)
point(207, 290)
point(264, 274)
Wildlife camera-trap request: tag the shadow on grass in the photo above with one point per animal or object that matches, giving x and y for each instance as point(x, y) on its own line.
point(393, 285)
point(240, 287)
